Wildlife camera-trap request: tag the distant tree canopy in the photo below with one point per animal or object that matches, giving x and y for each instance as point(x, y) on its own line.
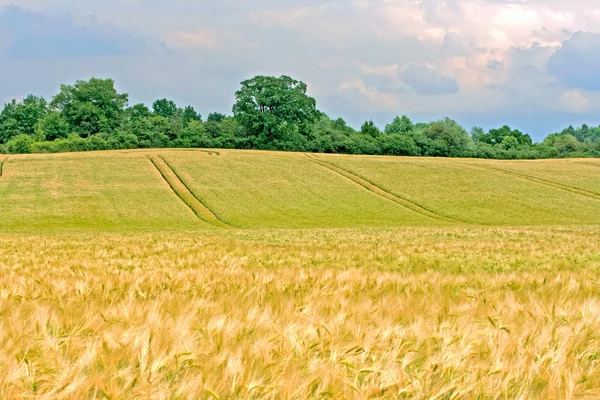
point(273, 113)
point(90, 107)
point(270, 109)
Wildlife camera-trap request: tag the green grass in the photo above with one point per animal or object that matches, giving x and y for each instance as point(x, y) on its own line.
point(194, 190)
point(102, 191)
point(478, 192)
point(578, 174)
point(282, 190)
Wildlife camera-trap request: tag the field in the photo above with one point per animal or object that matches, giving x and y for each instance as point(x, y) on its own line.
point(196, 274)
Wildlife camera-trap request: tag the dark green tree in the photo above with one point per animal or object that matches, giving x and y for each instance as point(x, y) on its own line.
point(91, 107)
point(446, 138)
point(53, 126)
point(190, 114)
point(369, 128)
point(21, 117)
point(164, 108)
point(215, 117)
point(271, 108)
point(137, 112)
point(498, 136)
point(400, 125)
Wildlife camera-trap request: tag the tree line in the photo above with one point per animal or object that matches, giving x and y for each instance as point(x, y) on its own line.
point(270, 113)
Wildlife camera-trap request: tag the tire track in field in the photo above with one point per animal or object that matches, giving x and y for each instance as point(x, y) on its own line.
point(593, 164)
point(541, 181)
point(185, 194)
point(2, 162)
point(373, 188)
point(175, 150)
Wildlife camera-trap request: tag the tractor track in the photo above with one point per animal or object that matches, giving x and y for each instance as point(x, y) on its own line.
point(542, 181)
point(2, 162)
point(378, 190)
point(179, 187)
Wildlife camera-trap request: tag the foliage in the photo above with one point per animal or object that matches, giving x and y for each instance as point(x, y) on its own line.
point(270, 113)
point(400, 125)
point(20, 144)
point(369, 128)
point(19, 118)
point(90, 107)
point(272, 108)
point(164, 108)
point(53, 126)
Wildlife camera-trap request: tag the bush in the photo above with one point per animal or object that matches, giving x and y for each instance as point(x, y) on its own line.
point(20, 144)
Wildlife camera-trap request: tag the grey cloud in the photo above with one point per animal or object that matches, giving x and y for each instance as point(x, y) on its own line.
point(577, 62)
point(495, 65)
point(29, 34)
point(426, 81)
point(383, 83)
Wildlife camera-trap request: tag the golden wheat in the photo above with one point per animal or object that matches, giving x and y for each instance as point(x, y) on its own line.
point(409, 313)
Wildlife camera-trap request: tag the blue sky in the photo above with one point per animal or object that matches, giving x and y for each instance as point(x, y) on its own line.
point(529, 63)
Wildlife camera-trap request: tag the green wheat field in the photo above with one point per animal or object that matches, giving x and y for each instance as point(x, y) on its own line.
point(221, 274)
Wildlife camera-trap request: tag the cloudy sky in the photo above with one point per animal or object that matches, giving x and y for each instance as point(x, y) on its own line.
point(533, 64)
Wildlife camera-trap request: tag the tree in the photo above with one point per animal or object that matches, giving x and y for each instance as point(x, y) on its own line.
point(164, 108)
point(215, 117)
point(20, 144)
point(477, 133)
point(563, 143)
point(90, 107)
point(21, 117)
point(137, 112)
point(399, 145)
point(400, 125)
point(190, 114)
point(369, 128)
point(271, 108)
point(498, 136)
point(53, 126)
point(176, 124)
point(446, 138)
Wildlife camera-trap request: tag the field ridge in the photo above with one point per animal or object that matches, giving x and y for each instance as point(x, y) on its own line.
point(185, 194)
point(378, 190)
point(542, 181)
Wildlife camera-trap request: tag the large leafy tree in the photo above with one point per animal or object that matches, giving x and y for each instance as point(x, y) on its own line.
point(272, 108)
point(446, 138)
point(165, 108)
point(21, 117)
point(91, 107)
point(400, 125)
point(369, 128)
point(505, 135)
point(190, 115)
point(53, 126)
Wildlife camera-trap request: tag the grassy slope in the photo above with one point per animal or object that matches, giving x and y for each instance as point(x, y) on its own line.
point(84, 191)
point(579, 174)
point(475, 191)
point(275, 190)
point(250, 189)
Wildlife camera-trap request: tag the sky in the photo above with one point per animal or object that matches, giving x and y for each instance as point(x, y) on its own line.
point(531, 64)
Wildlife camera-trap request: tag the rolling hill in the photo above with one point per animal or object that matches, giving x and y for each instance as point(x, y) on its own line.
point(198, 189)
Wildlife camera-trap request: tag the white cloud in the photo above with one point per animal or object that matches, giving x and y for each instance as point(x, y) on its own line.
point(497, 52)
point(573, 101)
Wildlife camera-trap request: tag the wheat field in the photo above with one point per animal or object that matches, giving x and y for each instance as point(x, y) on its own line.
point(412, 313)
point(170, 274)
